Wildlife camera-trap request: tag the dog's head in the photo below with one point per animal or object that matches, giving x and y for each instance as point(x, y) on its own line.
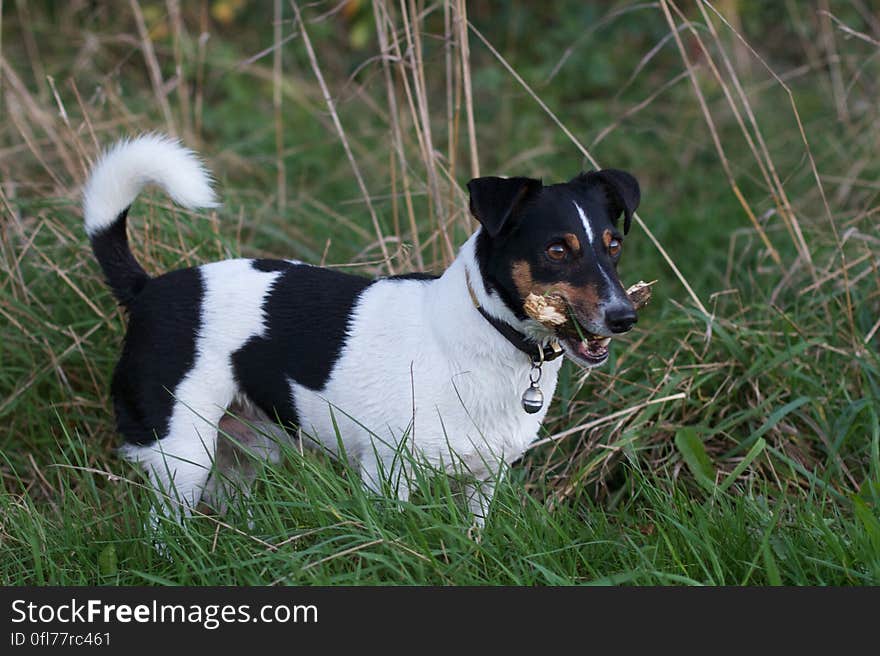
point(560, 240)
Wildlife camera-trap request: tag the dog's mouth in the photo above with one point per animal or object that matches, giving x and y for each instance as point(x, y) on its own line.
point(581, 345)
point(589, 350)
point(554, 311)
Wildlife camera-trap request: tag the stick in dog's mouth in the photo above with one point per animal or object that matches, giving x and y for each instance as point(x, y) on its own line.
point(553, 311)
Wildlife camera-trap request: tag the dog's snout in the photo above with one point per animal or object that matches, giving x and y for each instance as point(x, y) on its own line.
point(621, 317)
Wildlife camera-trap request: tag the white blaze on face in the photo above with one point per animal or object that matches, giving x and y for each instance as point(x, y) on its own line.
point(587, 227)
point(591, 238)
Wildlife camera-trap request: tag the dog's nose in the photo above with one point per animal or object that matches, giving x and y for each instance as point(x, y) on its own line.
point(620, 318)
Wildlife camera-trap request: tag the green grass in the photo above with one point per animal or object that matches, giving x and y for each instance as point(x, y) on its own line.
point(763, 468)
point(312, 523)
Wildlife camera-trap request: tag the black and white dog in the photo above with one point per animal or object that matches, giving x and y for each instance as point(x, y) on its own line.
point(435, 365)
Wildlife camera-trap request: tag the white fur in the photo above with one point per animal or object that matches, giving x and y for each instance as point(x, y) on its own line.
point(124, 169)
point(587, 227)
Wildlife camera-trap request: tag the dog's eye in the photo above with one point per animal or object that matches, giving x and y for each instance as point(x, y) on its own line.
point(557, 251)
point(614, 247)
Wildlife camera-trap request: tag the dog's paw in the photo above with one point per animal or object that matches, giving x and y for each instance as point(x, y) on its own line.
point(475, 532)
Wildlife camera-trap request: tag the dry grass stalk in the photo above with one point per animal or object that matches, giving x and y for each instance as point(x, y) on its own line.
point(635, 109)
point(178, 33)
point(331, 106)
point(453, 100)
point(813, 168)
point(833, 62)
point(199, 104)
point(25, 110)
point(412, 31)
point(464, 49)
point(716, 139)
point(397, 150)
point(606, 420)
point(82, 157)
point(848, 30)
point(30, 43)
point(281, 172)
point(764, 160)
point(153, 68)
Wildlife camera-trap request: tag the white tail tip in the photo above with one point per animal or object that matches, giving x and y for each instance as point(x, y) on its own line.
point(124, 169)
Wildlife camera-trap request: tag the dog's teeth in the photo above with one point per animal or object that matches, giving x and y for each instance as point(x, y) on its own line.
point(605, 341)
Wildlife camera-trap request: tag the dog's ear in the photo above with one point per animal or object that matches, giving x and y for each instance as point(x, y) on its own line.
point(622, 190)
point(494, 200)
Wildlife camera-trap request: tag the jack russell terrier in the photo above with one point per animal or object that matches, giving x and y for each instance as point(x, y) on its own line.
point(449, 368)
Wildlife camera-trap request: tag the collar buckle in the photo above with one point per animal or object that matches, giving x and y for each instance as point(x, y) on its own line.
point(553, 351)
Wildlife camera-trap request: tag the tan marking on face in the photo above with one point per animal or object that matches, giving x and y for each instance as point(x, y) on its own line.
point(521, 273)
point(584, 300)
point(572, 242)
point(606, 238)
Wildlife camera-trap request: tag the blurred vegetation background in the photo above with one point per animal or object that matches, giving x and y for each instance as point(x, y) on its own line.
point(343, 133)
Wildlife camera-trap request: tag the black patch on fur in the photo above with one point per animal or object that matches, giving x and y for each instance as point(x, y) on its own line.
point(494, 278)
point(494, 200)
point(159, 350)
point(268, 266)
point(124, 275)
point(412, 276)
point(622, 191)
point(308, 312)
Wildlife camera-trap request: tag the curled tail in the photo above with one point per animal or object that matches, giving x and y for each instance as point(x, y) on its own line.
point(115, 181)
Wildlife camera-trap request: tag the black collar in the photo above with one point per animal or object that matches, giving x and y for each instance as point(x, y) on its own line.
point(537, 354)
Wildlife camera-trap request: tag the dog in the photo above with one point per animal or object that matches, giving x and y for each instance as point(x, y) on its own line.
point(447, 368)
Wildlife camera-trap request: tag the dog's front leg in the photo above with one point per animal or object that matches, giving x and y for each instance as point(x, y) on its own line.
point(373, 474)
point(479, 494)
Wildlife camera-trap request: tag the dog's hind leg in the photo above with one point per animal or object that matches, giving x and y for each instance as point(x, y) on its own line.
point(230, 301)
point(246, 439)
point(178, 464)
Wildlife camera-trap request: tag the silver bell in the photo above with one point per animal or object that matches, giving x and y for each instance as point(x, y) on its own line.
point(532, 400)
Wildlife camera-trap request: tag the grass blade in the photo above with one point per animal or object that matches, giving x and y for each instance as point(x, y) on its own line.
point(753, 453)
point(692, 450)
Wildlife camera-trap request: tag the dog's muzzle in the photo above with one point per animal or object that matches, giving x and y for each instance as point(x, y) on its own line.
point(589, 351)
